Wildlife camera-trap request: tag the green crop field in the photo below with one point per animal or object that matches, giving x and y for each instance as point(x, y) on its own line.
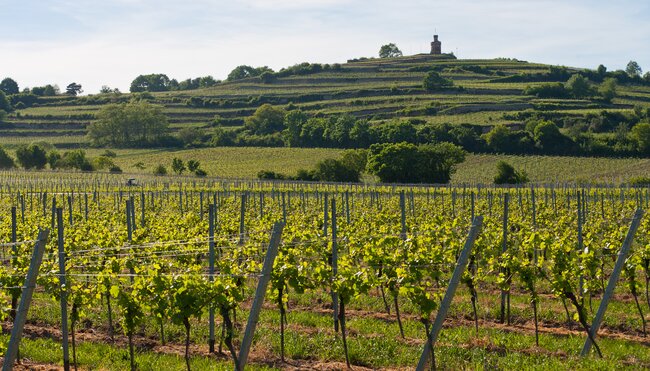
point(145, 266)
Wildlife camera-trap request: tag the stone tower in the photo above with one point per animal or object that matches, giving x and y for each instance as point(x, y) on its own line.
point(436, 46)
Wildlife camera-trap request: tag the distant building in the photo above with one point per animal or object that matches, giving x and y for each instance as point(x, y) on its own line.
point(436, 46)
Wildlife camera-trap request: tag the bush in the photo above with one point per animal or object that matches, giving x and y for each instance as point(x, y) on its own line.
point(331, 170)
point(6, 161)
point(409, 163)
point(160, 170)
point(115, 169)
point(506, 174)
point(77, 160)
point(200, 173)
point(267, 174)
point(32, 157)
point(433, 81)
point(109, 153)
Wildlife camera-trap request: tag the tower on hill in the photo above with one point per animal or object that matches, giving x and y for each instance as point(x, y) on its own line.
point(436, 46)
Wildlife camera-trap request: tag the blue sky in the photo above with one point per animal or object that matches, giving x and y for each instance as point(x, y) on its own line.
point(110, 42)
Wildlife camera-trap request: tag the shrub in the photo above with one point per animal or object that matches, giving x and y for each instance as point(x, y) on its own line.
point(32, 157)
point(200, 173)
point(160, 170)
point(267, 174)
point(506, 174)
point(409, 163)
point(433, 81)
point(6, 161)
point(331, 170)
point(115, 169)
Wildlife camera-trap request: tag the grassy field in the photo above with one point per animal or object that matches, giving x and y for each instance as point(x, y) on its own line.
point(246, 162)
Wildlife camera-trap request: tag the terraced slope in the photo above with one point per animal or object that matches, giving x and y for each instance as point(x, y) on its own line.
point(376, 89)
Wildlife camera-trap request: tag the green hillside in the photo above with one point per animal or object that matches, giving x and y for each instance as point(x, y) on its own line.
point(377, 89)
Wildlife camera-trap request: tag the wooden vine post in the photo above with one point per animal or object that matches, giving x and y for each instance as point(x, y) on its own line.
point(25, 300)
point(461, 264)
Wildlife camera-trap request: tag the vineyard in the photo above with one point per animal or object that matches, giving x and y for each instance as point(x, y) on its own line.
point(206, 274)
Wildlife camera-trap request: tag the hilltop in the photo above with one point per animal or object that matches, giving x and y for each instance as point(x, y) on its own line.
point(485, 93)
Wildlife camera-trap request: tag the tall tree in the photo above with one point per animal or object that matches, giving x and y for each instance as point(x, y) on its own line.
point(131, 124)
point(9, 86)
point(73, 89)
point(152, 83)
point(389, 51)
point(633, 69)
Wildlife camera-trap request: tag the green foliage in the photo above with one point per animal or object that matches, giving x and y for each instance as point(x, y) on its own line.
point(633, 69)
point(160, 170)
point(9, 86)
point(5, 105)
point(607, 89)
point(640, 133)
point(31, 157)
point(200, 173)
point(433, 81)
point(408, 163)
point(506, 174)
point(178, 166)
point(639, 181)
point(77, 160)
point(267, 119)
point(47, 90)
point(243, 71)
point(193, 165)
point(128, 124)
point(332, 170)
point(6, 161)
point(550, 90)
point(389, 51)
point(579, 86)
point(73, 89)
point(151, 83)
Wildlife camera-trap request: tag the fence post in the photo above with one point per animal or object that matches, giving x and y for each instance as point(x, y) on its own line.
point(461, 264)
point(335, 268)
point(613, 279)
point(265, 277)
point(505, 295)
point(25, 301)
point(211, 271)
point(64, 290)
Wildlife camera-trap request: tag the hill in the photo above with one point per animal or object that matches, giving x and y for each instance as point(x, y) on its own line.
point(486, 92)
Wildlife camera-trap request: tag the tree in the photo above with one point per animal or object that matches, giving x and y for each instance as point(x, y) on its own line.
point(506, 174)
point(548, 137)
point(607, 89)
point(178, 166)
point(640, 133)
point(5, 105)
point(433, 81)
point(389, 51)
point(579, 86)
point(331, 170)
point(633, 69)
point(6, 162)
point(130, 124)
point(160, 170)
point(243, 71)
point(601, 70)
point(267, 119)
point(32, 157)
point(151, 83)
point(646, 77)
point(409, 163)
point(73, 89)
point(9, 86)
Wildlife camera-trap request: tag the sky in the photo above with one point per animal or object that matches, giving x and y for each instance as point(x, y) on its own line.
point(110, 42)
